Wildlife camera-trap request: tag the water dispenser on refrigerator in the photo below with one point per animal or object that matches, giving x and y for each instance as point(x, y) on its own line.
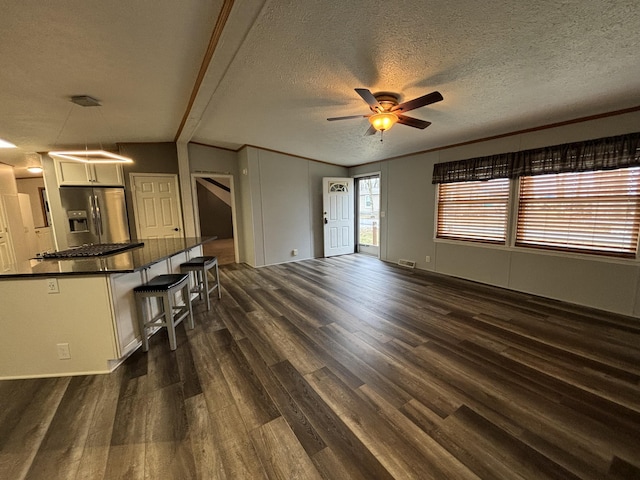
point(77, 221)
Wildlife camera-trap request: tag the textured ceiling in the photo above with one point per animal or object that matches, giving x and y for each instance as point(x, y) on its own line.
point(281, 68)
point(139, 58)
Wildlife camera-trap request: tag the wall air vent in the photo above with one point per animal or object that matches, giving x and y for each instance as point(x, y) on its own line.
point(407, 263)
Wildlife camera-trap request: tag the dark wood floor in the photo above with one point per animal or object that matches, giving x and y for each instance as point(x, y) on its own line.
point(222, 248)
point(347, 368)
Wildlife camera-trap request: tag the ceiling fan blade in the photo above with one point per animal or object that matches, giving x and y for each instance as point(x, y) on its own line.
point(368, 97)
point(347, 117)
point(413, 122)
point(427, 99)
point(370, 131)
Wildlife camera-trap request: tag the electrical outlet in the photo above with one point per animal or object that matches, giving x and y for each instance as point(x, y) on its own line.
point(427, 259)
point(294, 252)
point(52, 285)
point(63, 351)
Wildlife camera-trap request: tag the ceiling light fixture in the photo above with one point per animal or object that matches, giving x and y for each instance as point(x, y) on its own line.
point(383, 121)
point(5, 144)
point(91, 156)
point(34, 169)
point(87, 156)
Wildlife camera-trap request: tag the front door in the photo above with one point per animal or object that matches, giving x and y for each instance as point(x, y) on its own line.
point(338, 216)
point(157, 206)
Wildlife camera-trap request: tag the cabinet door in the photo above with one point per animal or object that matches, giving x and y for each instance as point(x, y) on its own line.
point(44, 240)
point(72, 173)
point(125, 311)
point(78, 173)
point(107, 174)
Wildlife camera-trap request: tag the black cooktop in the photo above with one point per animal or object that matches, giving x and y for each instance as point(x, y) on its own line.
point(93, 250)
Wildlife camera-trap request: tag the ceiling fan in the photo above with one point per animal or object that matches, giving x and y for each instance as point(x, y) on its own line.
point(387, 111)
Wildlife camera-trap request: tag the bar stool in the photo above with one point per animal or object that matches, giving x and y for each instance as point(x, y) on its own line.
point(164, 288)
point(200, 266)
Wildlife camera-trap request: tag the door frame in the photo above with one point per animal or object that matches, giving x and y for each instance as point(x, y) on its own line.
point(133, 176)
point(357, 212)
point(196, 209)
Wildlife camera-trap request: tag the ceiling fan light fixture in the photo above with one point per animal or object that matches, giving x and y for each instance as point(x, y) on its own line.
point(383, 121)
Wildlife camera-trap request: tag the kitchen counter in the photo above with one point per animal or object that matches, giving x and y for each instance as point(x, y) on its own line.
point(82, 307)
point(136, 259)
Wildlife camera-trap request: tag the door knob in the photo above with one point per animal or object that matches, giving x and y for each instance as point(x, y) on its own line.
point(176, 229)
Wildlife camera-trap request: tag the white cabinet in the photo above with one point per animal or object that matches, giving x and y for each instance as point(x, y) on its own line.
point(124, 309)
point(77, 173)
point(44, 240)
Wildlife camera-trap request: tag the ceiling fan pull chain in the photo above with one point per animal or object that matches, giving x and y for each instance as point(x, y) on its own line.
point(381, 134)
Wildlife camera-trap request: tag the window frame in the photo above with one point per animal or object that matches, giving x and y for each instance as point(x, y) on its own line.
point(583, 250)
point(513, 209)
point(507, 219)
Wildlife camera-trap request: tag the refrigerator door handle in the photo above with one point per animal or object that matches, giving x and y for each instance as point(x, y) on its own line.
point(98, 215)
point(93, 214)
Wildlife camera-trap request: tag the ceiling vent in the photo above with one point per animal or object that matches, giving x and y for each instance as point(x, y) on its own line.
point(407, 263)
point(85, 101)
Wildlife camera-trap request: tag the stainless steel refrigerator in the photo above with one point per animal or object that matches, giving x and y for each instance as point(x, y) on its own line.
point(95, 215)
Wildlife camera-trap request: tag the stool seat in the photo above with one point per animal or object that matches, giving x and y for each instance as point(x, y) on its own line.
point(164, 289)
point(162, 283)
point(201, 266)
point(199, 262)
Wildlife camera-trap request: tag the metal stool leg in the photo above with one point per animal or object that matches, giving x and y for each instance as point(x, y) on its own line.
point(141, 304)
point(218, 281)
point(168, 301)
point(186, 294)
point(198, 274)
point(163, 288)
point(205, 286)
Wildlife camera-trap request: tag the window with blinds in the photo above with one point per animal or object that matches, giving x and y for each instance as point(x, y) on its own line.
point(590, 212)
point(475, 211)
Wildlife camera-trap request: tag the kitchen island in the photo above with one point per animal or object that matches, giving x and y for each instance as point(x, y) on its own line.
point(81, 308)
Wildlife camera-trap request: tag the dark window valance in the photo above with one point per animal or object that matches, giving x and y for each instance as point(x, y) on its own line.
point(600, 154)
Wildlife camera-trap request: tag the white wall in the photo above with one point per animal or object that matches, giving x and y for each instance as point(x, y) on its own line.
point(407, 231)
point(246, 231)
point(7, 180)
point(58, 216)
point(31, 186)
point(285, 201)
point(219, 161)
point(205, 159)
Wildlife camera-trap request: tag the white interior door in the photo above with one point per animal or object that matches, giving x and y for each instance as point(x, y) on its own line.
point(157, 206)
point(7, 258)
point(338, 216)
point(14, 226)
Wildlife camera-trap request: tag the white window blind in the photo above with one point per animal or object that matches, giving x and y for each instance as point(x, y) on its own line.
point(591, 212)
point(475, 211)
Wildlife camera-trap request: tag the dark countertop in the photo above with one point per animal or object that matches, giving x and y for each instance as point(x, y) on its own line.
point(153, 251)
